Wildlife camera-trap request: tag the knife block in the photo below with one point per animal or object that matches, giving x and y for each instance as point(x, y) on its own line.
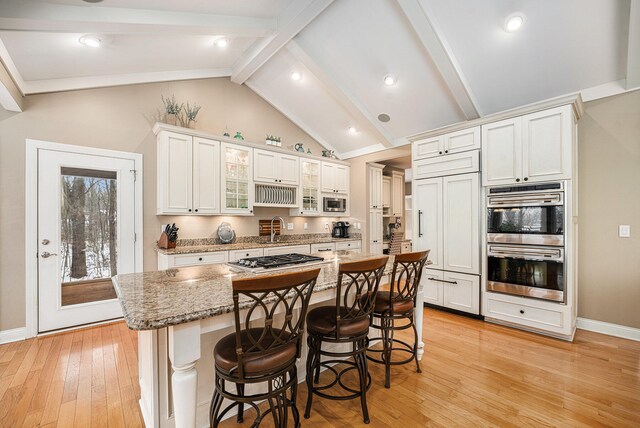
point(164, 242)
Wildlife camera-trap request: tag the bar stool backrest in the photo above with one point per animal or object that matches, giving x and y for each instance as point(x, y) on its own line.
point(358, 284)
point(405, 279)
point(272, 300)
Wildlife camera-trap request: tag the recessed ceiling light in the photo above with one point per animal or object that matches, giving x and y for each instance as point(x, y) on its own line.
point(91, 41)
point(296, 75)
point(353, 130)
point(222, 42)
point(514, 22)
point(389, 80)
point(383, 117)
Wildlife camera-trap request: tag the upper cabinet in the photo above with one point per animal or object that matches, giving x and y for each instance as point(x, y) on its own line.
point(335, 178)
point(188, 179)
point(272, 167)
point(237, 178)
point(397, 194)
point(531, 148)
point(454, 142)
point(309, 195)
point(386, 192)
point(375, 186)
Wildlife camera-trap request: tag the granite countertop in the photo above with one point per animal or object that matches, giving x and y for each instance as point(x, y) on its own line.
point(210, 248)
point(153, 300)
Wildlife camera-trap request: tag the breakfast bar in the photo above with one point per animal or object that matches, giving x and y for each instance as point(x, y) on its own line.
point(180, 314)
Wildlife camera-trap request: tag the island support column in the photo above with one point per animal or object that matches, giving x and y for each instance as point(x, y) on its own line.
point(184, 353)
point(418, 318)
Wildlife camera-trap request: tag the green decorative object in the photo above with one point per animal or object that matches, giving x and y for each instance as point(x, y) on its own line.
point(238, 136)
point(226, 132)
point(308, 151)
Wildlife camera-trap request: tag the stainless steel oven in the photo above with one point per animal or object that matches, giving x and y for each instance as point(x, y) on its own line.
point(337, 205)
point(526, 270)
point(531, 214)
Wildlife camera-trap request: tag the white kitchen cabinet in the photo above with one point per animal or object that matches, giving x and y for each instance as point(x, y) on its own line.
point(460, 203)
point(237, 178)
point(432, 287)
point(406, 247)
point(442, 145)
point(530, 148)
point(446, 213)
point(375, 186)
point(309, 198)
point(241, 254)
point(275, 251)
point(335, 178)
point(349, 246)
point(459, 163)
point(386, 192)
point(397, 194)
point(175, 173)
point(272, 167)
point(318, 248)
point(206, 177)
point(375, 231)
point(428, 230)
point(188, 180)
point(169, 261)
point(461, 292)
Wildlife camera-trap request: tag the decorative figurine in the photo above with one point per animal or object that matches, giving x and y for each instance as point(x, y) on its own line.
point(238, 136)
point(226, 132)
point(299, 147)
point(308, 151)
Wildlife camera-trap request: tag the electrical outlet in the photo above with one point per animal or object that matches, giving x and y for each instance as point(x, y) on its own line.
point(326, 225)
point(289, 226)
point(306, 226)
point(624, 231)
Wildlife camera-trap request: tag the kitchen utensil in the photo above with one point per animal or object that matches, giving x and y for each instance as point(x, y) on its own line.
point(225, 233)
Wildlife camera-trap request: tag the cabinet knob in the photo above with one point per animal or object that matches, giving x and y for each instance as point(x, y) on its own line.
point(526, 179)
point(439, 153)
point(446, 151)
point(189, 209)
point(196, 210)
point(517, 180)
point(199, 259)
point(522, 311)
point(250, 211)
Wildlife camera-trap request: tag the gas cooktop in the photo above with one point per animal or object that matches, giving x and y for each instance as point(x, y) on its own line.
point(258, 264)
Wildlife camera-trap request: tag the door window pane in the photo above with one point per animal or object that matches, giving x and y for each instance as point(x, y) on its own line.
point(88, 235)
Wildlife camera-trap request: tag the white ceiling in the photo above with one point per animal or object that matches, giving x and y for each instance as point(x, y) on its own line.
point(452, 58)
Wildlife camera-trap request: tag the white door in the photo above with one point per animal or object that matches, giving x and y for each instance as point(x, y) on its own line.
point(328, 177)
point(546, 145)
point(375, 187)
point(461, 292)
point(460, 141)
point(397, 195)
point(432, 286)
point(461, 205)
point(265, 166)
point(342, 179)
point(86, 227)
point(386, 192)
point(427, 214)
point(206, 176)
point(428, 148)
point(502, 152)
point(289, 169)
point(237, 179)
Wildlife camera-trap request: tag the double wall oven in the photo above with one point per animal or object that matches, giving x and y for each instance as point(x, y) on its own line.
point(525, 238)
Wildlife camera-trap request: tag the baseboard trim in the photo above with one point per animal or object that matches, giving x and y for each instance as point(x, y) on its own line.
point(610, 329)
point(13, 335)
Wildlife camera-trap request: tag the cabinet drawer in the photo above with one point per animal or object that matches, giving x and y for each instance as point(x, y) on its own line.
point(428, 148)
point(200, 259)
point(323, 247)
point(526, 314)
point(274, 251)
point(459, 163)
point(349, 245)
point(406, 247)
point(241, 254)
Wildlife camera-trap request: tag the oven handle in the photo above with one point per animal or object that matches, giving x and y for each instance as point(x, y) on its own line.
point(547, 199)
point(419, 223)
point(442, 280)
point(542, 258)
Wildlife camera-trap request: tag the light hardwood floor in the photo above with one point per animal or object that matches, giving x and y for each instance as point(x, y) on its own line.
point(474, 374)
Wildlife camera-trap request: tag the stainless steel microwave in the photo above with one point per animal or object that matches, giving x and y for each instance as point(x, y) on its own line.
point(335, 205)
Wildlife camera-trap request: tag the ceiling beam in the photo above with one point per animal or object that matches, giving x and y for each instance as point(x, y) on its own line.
point(291, 21)
point(442, 55)
point(295, 119)
point(341, 94)
point(29, 15)
point(633, 47)
point(10, 95)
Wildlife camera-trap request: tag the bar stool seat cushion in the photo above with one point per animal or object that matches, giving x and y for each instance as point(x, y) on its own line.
point(382, 304)
point(322, 321)
point(226, 357)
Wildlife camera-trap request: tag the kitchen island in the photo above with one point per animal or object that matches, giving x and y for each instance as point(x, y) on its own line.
point(181, 314)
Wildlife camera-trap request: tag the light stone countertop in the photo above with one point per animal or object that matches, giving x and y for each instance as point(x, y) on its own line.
point(210, 248)
point(153, 300)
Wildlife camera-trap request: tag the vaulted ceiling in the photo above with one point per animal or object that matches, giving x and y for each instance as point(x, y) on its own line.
point(451, 60)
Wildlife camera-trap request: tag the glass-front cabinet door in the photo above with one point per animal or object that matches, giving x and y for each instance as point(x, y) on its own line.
point(310, 203)
point(237, 173)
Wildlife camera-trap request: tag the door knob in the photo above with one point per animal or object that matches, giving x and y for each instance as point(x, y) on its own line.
point(46, 254)
point(45, 242)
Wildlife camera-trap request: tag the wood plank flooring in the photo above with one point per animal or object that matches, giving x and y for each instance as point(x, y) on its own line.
point(474, 374)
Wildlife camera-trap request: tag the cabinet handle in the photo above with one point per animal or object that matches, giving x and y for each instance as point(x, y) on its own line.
point(522, 311)
point(189, 209)
point(419, 223)
point(443, 280)
point(250, 211)
point(199, 259)
point(196, 210)
point(247, 255)
point(325, 249)
point(446, 151)
point(517, 180)
point(439, 153)
point(526, 179)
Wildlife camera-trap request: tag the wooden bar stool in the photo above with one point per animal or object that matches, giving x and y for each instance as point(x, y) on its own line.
point(395, 305)
point(264, 353)
point(345, 322)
